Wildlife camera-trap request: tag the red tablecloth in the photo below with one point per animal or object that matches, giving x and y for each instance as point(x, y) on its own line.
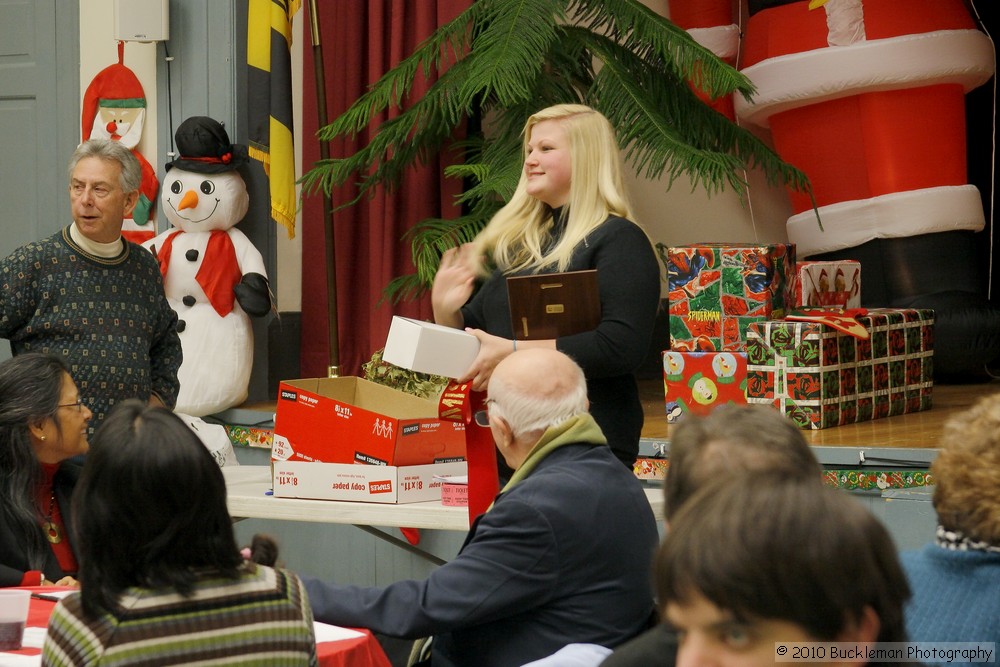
point(357, 652)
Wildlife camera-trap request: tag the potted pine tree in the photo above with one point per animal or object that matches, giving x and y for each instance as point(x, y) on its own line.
point(507, 59)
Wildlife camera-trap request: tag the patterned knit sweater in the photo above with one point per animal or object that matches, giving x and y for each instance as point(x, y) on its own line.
point(263, 618)
point(108, 318)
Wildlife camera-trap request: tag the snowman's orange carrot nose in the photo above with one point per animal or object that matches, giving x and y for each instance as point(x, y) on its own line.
point(190, 200)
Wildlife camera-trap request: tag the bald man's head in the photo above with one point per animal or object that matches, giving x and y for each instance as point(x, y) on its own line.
point(531, 390)
point(539, 373)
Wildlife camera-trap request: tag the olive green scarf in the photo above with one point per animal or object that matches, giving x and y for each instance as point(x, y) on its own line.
point(581, 429)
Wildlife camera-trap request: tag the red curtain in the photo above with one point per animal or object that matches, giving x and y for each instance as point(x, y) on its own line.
point(362, 39)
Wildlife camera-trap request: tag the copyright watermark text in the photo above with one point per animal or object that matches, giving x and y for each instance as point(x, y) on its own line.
point(947, 652)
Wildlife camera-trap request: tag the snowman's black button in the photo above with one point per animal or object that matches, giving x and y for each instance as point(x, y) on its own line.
point(181, 325)
point(188, 301)
point(191, 255)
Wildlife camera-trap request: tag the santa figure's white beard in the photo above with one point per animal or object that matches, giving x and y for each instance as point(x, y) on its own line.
point(845, 22)
point(130, 138)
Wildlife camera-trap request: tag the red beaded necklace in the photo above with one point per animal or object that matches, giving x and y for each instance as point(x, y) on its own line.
point(50, 527)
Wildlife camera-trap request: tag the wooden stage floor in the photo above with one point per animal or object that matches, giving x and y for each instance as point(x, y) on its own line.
point(917, 430)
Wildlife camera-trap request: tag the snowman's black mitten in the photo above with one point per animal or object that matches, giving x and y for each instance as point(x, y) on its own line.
point(254, 295)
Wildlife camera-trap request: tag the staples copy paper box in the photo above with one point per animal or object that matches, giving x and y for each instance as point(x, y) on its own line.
point(352, 420)
point(426, 347)
point(372, 484)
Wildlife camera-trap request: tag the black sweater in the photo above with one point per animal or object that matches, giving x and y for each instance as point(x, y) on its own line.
point(13, 554)
point(628, 277)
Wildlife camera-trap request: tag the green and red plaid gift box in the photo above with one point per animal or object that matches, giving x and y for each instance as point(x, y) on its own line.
point(820, 377)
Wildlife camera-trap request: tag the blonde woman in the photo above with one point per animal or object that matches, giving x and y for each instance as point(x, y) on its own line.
point(568, 213)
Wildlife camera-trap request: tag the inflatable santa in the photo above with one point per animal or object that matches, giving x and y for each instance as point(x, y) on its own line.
point(712, 25)
point(867, 97)
point(213, 276)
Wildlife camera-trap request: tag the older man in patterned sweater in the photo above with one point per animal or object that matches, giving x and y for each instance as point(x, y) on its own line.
point(87, 294)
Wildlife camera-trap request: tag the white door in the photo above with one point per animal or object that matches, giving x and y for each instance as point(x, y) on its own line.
point(39, 117)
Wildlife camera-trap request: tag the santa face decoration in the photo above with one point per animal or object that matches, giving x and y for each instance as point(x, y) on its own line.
point(196, 202)
point(117, 123)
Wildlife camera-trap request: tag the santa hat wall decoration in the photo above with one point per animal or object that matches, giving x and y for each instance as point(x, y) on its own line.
point(114, 107)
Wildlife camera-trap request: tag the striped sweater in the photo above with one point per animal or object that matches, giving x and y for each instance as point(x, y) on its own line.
point(263, 618)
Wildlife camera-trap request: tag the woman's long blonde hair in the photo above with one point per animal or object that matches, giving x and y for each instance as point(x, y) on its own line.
point(516, 236)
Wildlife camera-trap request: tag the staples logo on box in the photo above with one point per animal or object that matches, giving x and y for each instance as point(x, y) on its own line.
point(383, 486)
point(411, 429)
point(287, 395)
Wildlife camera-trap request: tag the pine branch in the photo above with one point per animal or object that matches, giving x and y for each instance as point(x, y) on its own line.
point(430, 238)
point(656, 39)
point(505, 60)
point(448, 43)
point(504, 57)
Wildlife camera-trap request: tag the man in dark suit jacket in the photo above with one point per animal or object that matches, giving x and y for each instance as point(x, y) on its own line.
point(563, 555)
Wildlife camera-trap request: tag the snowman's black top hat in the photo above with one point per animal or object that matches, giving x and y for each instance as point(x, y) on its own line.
point(204, 147)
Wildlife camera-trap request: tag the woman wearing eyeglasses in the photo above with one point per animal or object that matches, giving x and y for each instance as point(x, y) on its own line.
point(43, 424)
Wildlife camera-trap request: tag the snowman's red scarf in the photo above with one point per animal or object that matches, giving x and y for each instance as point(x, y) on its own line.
point(219, 272)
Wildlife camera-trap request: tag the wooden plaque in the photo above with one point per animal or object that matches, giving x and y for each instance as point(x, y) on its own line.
point(550, 305)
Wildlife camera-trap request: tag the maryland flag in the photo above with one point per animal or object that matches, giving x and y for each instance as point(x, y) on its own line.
point(269, 83)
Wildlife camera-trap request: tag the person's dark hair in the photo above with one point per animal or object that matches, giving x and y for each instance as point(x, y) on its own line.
point(263, 550)
point(734, 439)
point(30, 388)
point(789, 550)
point(151, 508)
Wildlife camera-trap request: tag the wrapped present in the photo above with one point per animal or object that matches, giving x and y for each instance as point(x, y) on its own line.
point(834, 283)
point(821, 377)
point(698, 382)
point(717, 290)
point(249, 436)
point(650, 468)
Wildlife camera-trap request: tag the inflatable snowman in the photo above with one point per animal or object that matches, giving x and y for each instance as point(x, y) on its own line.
point(214, 278)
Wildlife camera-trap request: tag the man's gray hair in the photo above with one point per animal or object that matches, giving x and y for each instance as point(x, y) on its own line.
point(106, 149)
point(526, 412)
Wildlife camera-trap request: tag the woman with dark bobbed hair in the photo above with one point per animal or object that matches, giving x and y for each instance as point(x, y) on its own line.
point(43, 424)
point(162, 580)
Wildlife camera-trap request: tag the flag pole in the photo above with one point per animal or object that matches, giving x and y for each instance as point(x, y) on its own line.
point(324, 152)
